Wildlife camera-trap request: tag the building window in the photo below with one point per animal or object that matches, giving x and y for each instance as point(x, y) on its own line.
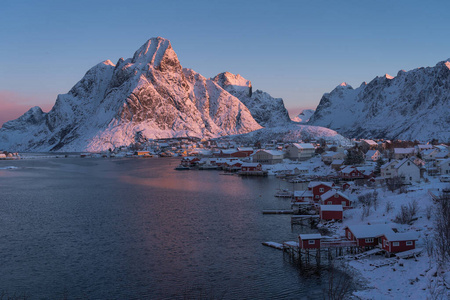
point(369, 240)
point(330, 202)
point(349, 235)
point(409, 243)
point(395, 244)
point(321, 190)
point(316, 196)
point(311, 242)
point(336, 196)
point(344, 203)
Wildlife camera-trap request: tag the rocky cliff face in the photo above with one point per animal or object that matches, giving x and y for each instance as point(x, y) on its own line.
point(266, 110)
point(412, 105)
point(150, 94)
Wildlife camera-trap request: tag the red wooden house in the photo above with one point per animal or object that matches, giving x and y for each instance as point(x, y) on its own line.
point(367, 236)
point(251, 167)
point(319, 188)
point(331, 212)
point(398, 242)
point(309, 241)
point(303, 196)
point(333, 197)
point(350, 173)
point(190, 161)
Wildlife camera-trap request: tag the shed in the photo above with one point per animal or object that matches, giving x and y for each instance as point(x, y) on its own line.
point(309, 241)
point(331, 212)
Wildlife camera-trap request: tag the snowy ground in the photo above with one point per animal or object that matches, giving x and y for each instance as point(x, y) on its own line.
point(406, 278)
point(409, 278)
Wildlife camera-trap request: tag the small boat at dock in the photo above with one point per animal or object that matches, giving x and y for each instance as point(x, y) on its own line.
point(182, 168)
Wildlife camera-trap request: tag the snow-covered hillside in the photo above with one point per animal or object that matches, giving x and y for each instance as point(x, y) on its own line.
point(412, 105)
point(266, 110)
point(304, 116)
point(292, 133)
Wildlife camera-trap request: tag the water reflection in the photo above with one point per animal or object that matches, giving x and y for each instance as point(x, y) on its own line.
point(128, 229)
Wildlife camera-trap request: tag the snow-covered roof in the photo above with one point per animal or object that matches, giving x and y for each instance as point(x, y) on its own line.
point(330, 154)
point(371, 153)
point(369, 231)
point(407, 236)
point(403, 150)
point(403, 161)
point(306, 193)
point(370, 142)
point(250, 164)
point(331, 193)
point(428, 151)
point(245, 149)
point(331, 208)
point(348, 169)
point(304, 146)
point(427, 146)
point(274, 152)
point(386, 165)
point(310, 236)
point(316, 183)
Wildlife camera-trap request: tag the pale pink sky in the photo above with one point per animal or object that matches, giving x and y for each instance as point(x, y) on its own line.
point(13, 104)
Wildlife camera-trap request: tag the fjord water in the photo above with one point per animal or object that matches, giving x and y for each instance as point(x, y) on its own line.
point(136, 228)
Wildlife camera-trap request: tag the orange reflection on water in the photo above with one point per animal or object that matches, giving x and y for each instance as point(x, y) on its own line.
point(179, 184)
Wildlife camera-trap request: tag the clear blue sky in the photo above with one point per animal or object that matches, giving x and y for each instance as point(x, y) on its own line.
point(296, 50)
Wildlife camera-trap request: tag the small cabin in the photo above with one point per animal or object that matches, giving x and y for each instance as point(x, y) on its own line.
point(251, 167)
point(309, 241)
point(331, 212)
point(398, 242)
point(319, 188)
point(367, 236)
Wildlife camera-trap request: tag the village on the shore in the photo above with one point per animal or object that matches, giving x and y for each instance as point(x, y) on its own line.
point(380, 206)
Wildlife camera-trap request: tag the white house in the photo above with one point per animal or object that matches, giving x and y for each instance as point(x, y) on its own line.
point(406, 169)
point(301, 151)
point(444, 167)
point(429, 154)
point(268, 156)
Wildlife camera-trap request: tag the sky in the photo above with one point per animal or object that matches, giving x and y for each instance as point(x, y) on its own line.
point(295, 50)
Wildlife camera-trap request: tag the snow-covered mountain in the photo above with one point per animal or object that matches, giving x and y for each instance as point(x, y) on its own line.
point(304, 116)
point(148, 95)
point(412, 105)
point(266, 110)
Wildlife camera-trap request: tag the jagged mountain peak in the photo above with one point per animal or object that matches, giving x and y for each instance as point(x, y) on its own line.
point(158, 53)
point(413, 105)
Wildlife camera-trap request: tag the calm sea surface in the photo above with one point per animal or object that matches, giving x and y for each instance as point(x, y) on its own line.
point(138, 229)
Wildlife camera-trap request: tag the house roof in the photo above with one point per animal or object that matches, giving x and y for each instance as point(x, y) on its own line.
point(331, 208)
point(250, 164)
point(303, 146)
point(349, 169)
point(245, 149)
point(316, 183)
point(370, 142)
point(403, 150)
point(273, 152)
point(407, 236)
point(306, 193)
point(311, 236)
point(386, 165)
point(369, 231)
point(371, 153)
point(331, 193)
point(403, 161)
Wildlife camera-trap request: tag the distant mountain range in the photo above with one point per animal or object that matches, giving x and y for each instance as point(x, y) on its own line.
point(150, 96)
point(413, 105)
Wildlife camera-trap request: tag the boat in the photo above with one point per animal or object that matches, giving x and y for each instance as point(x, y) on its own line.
point(283, 193)
point(182, 168)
